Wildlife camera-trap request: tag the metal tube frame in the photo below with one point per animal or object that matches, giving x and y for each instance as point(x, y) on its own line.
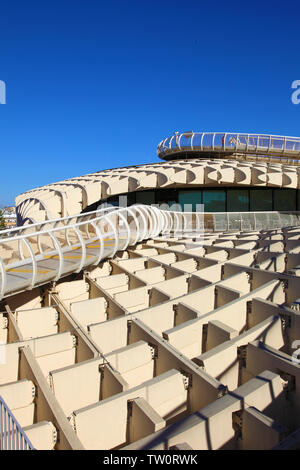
point(149, 223)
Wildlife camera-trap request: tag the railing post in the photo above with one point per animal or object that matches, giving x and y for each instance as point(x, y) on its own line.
point(60, 254)
point(34, 263)
point(83, 249)
point(3, 279)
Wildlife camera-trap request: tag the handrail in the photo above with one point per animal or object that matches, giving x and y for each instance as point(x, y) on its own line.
point(22, 228)
point(115, 230)
point(230, 142)
point(12, 436)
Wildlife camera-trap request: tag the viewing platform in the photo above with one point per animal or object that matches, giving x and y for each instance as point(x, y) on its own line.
point(223, 144)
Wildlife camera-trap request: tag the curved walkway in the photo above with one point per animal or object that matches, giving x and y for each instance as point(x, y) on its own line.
point(35, 254)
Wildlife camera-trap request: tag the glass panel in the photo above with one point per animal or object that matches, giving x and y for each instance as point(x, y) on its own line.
point(173, 142)
point(145, 197)
point(271, 220)
point(167, 142)
point(277, 144)
point(220, 222)
point(191, 198)
point(124, 200)
point(185, 140)
point(284, 199)
point(231, 141)
point(219, 140)
point(292, 144)
point(235, 222)
point(252, 141)
point(242, 141)
point(214, 200)
point(260, 221)
point(260, 199)
point(285, 220)
point(197, 140)
point(248, 221)
point(237, 200)
point(207, 140)
point(111, 201)
point(165, 195)
point(131, 198)
point(263, 141)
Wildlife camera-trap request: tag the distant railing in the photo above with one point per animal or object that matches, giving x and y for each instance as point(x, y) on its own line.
point(228, 142)
point(12, 436)
point(244, 221)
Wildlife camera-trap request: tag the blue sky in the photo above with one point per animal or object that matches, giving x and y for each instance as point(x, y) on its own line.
point(94, 85)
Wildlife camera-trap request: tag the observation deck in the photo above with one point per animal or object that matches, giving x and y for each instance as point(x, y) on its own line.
point(223, 144)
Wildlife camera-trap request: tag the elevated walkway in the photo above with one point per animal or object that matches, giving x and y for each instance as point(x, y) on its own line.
point(36, 254)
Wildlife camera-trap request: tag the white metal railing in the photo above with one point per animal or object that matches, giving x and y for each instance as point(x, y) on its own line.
point(12, 436)
point(47, 254)
point(53, 223)
point(243, 221)
point(230, 142)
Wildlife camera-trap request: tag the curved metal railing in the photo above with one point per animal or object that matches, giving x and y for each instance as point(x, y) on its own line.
point(228, 143)
point(53, 223)
point(38, 253)
point(54, 249)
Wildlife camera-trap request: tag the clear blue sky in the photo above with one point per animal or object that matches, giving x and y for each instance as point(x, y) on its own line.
point(94, 85)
